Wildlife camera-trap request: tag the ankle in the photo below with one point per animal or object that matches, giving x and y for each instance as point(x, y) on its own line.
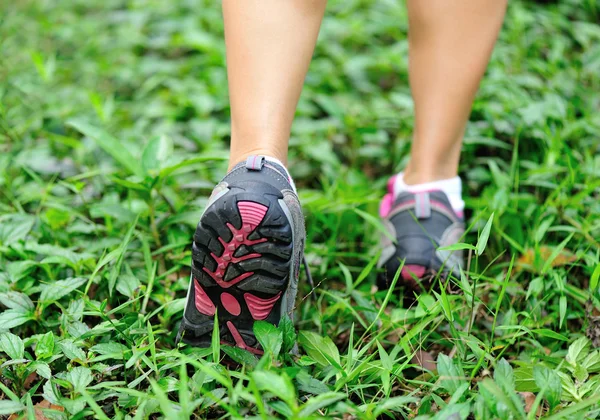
point(275, 163)
point(451, 186)
point(235, 158)
point(415, 177)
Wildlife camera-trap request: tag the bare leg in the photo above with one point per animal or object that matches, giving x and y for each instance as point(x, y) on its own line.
point(269, 47)
point(450, 45)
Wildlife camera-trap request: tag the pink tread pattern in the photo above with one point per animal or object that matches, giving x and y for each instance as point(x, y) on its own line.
point(252, 214)
point(231, 304)
point(260, 308)
point(239, 340)
point(410, 270)
point(203, 303)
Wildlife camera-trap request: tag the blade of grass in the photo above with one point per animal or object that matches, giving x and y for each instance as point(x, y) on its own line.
point(110, 145)
point(501, 297)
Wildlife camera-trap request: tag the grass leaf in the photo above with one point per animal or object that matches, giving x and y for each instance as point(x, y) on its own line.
point(288, 332)
point(156, 152)
point(269, 337)
point(279, 385)
point(556, 253)
point(451, 375)
point(110, 145)
point(12, 345)
point(216, 340)
point(595, 278)
point(10, 407)
point(484, 236)
point(321, 349)
point(548, 381)
point(320, 401)
point(120, 255)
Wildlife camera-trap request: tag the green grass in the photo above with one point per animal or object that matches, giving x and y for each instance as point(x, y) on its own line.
point(113, 131)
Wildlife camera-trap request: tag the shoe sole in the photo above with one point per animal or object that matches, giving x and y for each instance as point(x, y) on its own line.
point(242, 261)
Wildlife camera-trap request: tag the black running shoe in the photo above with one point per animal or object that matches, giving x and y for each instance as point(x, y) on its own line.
point(245, 256)
point(421, 223)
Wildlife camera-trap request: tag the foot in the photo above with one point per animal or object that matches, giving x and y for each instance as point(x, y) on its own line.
point(420, 224)
point(245, 256)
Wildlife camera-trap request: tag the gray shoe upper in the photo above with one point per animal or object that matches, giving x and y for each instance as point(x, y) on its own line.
point(421, 223)
point(257, 168)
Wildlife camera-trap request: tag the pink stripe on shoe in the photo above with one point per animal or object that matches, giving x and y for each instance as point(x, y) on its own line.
point(231, 304)
point(385, 207)
point(252, 213)
point(239, 340)
point(390, 184)
point(203, 303)
point(260, 308)
point(410, 270)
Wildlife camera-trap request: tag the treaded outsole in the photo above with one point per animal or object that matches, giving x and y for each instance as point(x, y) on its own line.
point(241, 258)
